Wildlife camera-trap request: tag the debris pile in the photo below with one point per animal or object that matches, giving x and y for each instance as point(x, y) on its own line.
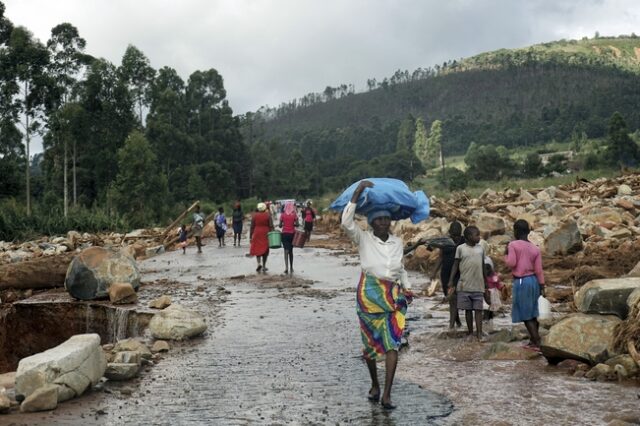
point(586, 230)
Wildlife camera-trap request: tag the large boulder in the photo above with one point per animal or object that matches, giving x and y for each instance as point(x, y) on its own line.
point(564, 239)
point(606, 296)
point(491, 224)
point(177, 323)
point(586, 338)
point(74, 365)
point(92, 272)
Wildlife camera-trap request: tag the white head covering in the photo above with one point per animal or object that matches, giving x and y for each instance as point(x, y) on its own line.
point(262, 207)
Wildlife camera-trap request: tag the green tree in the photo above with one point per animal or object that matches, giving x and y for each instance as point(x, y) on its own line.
point(11, 149)
point(488, 162)
point(532, 166)
point(109, 119)
point(139, 191)
point(456, 179)
point(136, 71)
point(434, 145)
point(420, 144)
point(66, 48)
point(621, 149)
point(28, 59)
point(406, 134)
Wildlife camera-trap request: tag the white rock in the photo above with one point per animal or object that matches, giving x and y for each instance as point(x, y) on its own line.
point(625, 190)
point(41, 399)
point(121, 371)
point(176, 323)
point(160, 346)
point(5, 403)
point(127, 357)
point(154, 251)
point(160, 302)
point(75, 364)
point(133, 345)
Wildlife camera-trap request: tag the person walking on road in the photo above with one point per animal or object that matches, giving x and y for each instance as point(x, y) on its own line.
point(197, 227)
point(382, 294)
point(220, 221)
point(237, 218)
point(261, 224)
point(309, 215)
point(288, 223)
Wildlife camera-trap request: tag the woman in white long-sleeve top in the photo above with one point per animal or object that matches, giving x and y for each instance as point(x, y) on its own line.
point(382, 294)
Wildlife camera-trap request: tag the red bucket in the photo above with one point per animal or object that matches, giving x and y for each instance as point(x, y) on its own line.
point(299, 238)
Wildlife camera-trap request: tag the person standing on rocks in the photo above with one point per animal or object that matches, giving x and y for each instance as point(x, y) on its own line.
point(197, 227)
point(237, 217)
point(261, 224)
point(288, 223)
point(382, 294)
point(525, 261)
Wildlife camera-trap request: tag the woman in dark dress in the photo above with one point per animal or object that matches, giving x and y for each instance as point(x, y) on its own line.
point(237, 217)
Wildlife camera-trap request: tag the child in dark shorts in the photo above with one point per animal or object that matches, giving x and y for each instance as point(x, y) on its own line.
point(471, 286)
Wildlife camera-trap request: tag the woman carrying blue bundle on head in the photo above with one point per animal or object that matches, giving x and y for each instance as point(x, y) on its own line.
point(382, 294)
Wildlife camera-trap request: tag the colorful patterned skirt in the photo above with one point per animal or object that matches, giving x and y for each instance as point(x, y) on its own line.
point(381, 308)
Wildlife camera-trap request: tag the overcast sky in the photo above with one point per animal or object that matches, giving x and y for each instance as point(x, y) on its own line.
point(271, 51)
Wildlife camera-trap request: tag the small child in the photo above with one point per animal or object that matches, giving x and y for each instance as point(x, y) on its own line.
point(182, 238)
point(469, 261)
point(494, 285)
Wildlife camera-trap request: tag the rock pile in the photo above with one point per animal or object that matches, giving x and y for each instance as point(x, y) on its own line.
point(586, 230)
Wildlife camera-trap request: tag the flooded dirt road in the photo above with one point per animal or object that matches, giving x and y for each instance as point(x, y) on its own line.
point(282, 350)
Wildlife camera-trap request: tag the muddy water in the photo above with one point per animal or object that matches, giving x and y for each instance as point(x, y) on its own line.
point(284, 350)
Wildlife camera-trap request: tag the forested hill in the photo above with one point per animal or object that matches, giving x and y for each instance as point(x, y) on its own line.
point(505, 97)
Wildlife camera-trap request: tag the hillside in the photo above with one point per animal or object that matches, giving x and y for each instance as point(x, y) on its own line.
point(517, 97)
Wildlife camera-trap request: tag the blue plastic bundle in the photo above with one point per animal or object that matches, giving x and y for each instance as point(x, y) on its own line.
point(387, 194)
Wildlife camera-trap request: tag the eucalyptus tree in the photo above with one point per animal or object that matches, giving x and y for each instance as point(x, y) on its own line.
point(167, 121)
point(109, 118)
point(28, 59)
point(205, 92)
point(67, 59)
point(11, 150)
point(420, 144)
point(138, 74)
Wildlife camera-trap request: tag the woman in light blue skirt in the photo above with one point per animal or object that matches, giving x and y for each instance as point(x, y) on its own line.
point(525, 261)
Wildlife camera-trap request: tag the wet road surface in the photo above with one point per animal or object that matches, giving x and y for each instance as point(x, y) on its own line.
point(283, 350)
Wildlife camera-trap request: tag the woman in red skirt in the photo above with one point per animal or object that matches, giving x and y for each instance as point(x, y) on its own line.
point(261, 225)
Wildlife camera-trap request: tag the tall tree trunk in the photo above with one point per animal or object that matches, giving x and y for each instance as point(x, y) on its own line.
point(27, 141)
point(66, 188)
point(444, 177)
point(75, 186)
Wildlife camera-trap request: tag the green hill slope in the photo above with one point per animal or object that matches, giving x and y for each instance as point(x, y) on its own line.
point(506, 97)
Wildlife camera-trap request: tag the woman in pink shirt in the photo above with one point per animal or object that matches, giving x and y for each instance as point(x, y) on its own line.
point(525, 261)
point(288, 223)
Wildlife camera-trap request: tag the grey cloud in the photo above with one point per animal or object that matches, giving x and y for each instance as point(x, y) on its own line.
point(272, 51)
